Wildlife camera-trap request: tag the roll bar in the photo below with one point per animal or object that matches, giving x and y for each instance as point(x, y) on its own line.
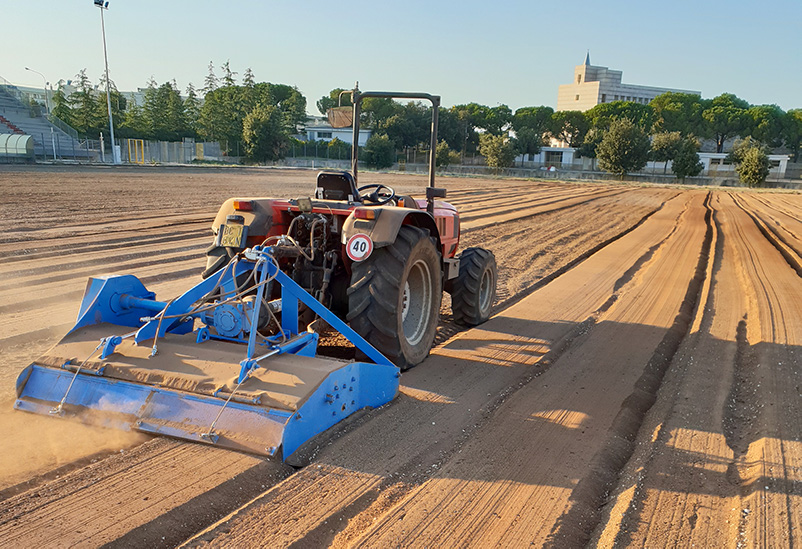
point(357, 97)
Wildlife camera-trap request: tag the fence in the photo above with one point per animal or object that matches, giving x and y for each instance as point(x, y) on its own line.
point(60, 147)
point(139, 151)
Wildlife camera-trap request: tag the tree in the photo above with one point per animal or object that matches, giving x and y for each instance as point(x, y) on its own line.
point(163, 112)
point(247, 79)
point(792, 131)
point(101, 116)
point(61, 106)
point(288, 99)
point(569, 127)
point(686, 161)
point(751, 162)
point(133, 123)
point(228, 74)
point(528, 141)
point(753, 168)
point(263, 134)
point(379, 152)
point(221, 117)
point(603, 114)
point(665, 146)
point(455, 127)
point(624, 148)
point(530, 125)
point(333, 100)
point(82, 106)
point(498, 150)
point(444, 156)
point(678, 112)
point(192, 109)
point(376, 111)
point(496, 120)
point(766, 124)
point(725, 117)
point(210, 83)
point(590, 144)
point(537, 119)
point(339, 149)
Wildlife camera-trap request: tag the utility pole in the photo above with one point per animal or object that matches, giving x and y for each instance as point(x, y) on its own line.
point(103, 7)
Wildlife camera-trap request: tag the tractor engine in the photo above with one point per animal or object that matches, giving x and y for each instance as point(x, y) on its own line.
point(310, 253)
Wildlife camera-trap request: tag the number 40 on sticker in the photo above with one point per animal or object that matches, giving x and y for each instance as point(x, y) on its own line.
point(359, 247)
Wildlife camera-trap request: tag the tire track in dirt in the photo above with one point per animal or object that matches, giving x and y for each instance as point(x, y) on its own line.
point(577, 525)
point(789, 250)
point(718, 458)
point(15, 254)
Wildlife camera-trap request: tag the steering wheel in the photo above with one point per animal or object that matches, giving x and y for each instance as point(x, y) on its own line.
point(382, 194)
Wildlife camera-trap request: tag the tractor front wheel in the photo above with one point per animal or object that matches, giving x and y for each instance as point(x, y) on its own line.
point(394, 297)
point(474, 290)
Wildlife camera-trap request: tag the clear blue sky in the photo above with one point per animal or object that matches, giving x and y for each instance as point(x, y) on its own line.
point(511, 52)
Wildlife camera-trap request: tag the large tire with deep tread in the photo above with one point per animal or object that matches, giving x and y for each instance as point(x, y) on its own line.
point(474, 290)
point(394, 297)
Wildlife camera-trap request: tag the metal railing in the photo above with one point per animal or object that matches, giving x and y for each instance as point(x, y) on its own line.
point(63, 126)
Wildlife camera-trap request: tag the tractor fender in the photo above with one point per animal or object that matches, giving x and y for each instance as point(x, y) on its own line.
point(260, 218)
point(383, 230)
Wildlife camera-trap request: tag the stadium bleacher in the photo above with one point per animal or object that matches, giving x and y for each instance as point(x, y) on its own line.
point(16, 117)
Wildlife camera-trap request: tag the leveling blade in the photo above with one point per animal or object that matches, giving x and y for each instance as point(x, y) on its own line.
point(224, 390)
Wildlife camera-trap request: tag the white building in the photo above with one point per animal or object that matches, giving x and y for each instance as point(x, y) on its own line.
point(717, 165)
point(319, 130)
point(548, 156)
point(593, 85)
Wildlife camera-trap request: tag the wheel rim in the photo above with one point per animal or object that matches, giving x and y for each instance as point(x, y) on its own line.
point(486, 290)
point(416, 302)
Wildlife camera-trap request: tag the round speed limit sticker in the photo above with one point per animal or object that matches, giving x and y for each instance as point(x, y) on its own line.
point(359, 247)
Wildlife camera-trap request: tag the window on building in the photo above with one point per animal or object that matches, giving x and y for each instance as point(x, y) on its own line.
point(576, 98)
point(324, 135)
point(554, 157)
point(715, 161)
point(604, 98)
point(578, 78)
point(774, 163)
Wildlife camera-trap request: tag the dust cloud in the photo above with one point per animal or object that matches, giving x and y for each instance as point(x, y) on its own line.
point(33, 444)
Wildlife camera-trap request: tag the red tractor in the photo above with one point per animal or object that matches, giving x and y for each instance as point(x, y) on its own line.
point(378, 260)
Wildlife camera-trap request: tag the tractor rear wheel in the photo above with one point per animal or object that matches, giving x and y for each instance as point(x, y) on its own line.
point(474, 290)
point(394, 297)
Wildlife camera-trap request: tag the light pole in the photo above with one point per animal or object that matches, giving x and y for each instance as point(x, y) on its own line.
point(47, 100)
point(104, 6)
point(49, 113)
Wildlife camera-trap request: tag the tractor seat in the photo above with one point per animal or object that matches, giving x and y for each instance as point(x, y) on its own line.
point(336, 186)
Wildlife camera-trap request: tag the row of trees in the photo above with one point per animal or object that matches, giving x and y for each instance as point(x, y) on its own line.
point(461, 126)
point(622, 135)
point(249, 118)
point(257, 120)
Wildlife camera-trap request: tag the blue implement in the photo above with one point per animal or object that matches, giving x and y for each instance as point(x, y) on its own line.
point(225, 385)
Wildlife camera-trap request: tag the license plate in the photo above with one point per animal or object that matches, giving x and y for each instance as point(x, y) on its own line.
point(232, 236)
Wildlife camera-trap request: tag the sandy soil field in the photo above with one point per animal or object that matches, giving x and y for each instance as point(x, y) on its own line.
point(638, 385)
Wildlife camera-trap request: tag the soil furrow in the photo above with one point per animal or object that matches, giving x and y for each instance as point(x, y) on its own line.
point(575, 528)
